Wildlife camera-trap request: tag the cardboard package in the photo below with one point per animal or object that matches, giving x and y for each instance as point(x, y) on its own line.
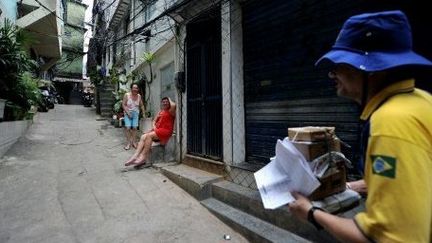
point(333, 181)
point(311, 134)
point(312, 150)
point(314, 142)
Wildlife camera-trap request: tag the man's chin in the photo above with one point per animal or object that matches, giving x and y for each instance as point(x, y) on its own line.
point(340, 93)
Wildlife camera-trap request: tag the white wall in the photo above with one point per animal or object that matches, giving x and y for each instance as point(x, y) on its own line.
point(10, 132)
point(232, 83)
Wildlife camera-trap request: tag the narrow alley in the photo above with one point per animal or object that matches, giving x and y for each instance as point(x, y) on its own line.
point(63, 182)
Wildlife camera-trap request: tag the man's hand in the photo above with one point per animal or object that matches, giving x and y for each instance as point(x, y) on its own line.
point(343, 229)
point(358, 186)
point(300, 207)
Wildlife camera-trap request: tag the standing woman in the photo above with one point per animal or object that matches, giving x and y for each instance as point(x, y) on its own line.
point(131, 105)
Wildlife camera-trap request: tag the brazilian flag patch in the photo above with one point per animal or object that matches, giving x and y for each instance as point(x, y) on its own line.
point(384, 165)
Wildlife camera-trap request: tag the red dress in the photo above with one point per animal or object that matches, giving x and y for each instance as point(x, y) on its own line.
point(164, 126)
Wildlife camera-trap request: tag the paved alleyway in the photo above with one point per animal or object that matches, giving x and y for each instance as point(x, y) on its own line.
point(63, 183)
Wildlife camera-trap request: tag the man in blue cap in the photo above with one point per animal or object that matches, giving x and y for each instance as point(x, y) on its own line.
point(372, 62)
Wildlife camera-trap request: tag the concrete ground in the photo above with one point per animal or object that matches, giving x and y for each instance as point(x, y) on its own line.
point(63, 182)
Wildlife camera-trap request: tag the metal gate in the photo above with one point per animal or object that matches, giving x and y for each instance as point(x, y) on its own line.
point(204, 86)
point(283, 88)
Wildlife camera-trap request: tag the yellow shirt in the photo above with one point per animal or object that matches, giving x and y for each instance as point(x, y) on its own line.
point(398, 168)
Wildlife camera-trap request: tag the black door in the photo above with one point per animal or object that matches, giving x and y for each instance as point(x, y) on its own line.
point(204, 86)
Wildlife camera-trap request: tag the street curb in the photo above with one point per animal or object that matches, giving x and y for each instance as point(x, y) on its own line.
point(194, 181)
point(255, 229)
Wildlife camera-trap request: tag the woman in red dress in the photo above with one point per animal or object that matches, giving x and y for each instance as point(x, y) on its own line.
point(163, 126)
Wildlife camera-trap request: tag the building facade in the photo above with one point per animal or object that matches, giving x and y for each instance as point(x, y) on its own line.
point(43, 21)
point(71, 63)
point(69, 69)
point(243, 72)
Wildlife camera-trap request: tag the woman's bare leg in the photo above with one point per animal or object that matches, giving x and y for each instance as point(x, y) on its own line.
point(133, 137)
point(141, 159)
point(137, 151)
point(127, 134)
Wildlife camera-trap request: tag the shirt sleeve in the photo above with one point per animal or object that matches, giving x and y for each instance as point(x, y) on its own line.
point(399, 203)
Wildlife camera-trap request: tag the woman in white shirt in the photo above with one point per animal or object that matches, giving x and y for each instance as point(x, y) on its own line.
point(131, 106)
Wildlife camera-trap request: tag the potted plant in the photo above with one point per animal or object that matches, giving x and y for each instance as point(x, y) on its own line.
point(117, 108)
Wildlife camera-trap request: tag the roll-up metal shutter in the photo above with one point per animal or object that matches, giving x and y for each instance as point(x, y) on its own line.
point(281, 42)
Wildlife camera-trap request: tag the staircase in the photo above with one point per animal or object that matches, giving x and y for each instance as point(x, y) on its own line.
point(241, 207)
point(106, 101)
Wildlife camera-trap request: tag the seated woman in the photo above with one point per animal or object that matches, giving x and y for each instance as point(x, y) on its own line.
point(163, 126)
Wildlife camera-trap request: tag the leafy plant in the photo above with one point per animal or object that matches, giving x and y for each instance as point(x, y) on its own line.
point(114, 77)
point(28, 89)
point(148, 57)
point(148, 114)
point(14, 112)
point(95, 77)
point(16, 86)
point(130, 78)
point(118, 96)
point(13, 59)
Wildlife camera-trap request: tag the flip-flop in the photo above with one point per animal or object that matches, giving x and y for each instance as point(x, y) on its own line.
point(135, 163)
point(130, 162)
point(142, 166)
point(127, 147)
point(134, 145)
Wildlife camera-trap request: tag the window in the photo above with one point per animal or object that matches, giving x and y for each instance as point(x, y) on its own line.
point(150, 9)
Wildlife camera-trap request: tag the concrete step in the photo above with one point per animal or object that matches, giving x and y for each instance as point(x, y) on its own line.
point(106, 99)
point(249, 201)
point(196, 182)
point(255, 229)
point(163, 154)
point(108, 102)
point(107, 105)
point(212, 166)
point(245, 202)
point(106, 94)
point(106, 109)
point(106, 113)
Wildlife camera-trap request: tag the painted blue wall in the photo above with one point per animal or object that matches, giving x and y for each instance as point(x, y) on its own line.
point(9, 10)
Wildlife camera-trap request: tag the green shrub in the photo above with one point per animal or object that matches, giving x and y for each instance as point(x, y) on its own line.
point(15, 85)
point(28, 89)
point(118, 97)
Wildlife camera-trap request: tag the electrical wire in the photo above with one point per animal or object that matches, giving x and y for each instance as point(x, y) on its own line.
point(51, 11)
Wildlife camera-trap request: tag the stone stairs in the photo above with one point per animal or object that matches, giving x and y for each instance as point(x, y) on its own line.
point(106, 101)
point(241, 207)
point(255, 229)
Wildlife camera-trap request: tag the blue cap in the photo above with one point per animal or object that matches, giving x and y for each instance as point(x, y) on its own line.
point(375, 42)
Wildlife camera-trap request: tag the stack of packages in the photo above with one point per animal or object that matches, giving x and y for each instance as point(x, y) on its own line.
point(321, 148)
